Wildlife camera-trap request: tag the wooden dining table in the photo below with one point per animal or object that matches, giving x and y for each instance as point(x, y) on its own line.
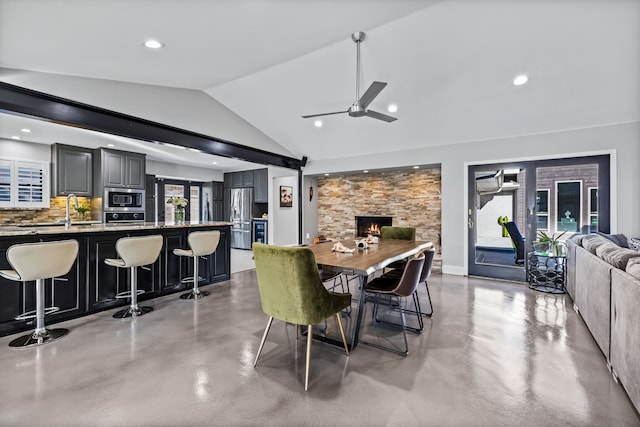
point(362, 263)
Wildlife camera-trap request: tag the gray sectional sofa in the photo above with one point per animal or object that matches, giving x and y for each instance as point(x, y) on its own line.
point(603, 280)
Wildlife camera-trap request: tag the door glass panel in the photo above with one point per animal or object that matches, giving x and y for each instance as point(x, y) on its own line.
point(194, 202)
point(169, 191)
point(498, 198)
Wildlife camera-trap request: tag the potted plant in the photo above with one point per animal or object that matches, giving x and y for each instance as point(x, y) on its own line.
point(82, 209)
point(549, 244)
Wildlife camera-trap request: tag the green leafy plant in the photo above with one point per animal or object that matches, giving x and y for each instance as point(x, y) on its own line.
point(83, 207)
point(553, 240)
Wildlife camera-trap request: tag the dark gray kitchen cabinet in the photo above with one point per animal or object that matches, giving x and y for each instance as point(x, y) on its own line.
point(261, 185)
point(247, 179)
point(67, 292)
point(120, 169)
point(217, 211)
point(217, 192)
point(71, 171)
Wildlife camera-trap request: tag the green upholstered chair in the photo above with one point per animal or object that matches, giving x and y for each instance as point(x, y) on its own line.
point(291, 290)
point(398, 233)
point(398, 288)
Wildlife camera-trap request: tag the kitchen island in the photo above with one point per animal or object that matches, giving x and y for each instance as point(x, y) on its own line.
point(91, 285)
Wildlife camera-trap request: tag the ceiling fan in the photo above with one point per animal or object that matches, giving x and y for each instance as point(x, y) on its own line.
point(359, 107)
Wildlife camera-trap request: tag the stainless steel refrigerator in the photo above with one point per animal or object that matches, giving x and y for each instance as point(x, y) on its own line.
point(241, 212)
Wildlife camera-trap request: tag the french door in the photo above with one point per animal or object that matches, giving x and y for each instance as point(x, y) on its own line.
point(560, 196)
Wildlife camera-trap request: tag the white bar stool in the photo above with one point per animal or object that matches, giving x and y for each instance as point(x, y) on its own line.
point(201, 243)
point(135, 252)
point(40, 261)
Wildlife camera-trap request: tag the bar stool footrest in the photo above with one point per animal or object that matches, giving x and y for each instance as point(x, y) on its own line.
point(190, 279)
point(127, 294)
point(32, 314)
point(38, 338)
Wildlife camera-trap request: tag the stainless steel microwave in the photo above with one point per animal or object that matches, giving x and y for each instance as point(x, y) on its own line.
point(121, 198)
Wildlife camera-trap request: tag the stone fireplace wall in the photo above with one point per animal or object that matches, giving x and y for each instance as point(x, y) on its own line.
point(412, 198)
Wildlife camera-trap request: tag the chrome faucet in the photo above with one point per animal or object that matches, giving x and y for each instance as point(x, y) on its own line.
point(67, 217)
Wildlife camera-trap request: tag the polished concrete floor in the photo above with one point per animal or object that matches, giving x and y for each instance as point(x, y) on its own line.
point(494, 354)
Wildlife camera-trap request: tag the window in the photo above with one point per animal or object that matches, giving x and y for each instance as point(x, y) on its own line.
point(24, 184)
point(593, 209)
point(568, 202)
point(542, 210)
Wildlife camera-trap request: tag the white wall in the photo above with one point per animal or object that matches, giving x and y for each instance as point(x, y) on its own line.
point(187, 109)
point(283, 222)
point(623, 139)
point(21, 150)
point(184, 172)
point(309, 209)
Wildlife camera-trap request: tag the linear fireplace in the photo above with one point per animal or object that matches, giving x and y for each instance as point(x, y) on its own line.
point(366, 225)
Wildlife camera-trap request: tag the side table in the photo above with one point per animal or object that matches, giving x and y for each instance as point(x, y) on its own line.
point(547, 273)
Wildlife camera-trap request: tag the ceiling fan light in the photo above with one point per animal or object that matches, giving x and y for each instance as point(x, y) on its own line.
point(392, 108)
point(318, 123)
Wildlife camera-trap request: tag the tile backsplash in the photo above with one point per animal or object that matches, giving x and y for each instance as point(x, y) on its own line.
point(55, 212)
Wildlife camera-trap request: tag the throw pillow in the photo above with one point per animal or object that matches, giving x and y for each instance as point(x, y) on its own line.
point(634, 243)
point(618, 239)
point(633, 267)
point(577, 238)
point(592, 241)
point(616, 256)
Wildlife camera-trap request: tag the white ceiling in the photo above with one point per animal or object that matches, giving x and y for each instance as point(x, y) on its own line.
point(449, 64)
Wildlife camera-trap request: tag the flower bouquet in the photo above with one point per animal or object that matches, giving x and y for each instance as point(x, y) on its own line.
point(178, 203)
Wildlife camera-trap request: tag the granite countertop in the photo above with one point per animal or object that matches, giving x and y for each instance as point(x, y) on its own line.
point(96, 227)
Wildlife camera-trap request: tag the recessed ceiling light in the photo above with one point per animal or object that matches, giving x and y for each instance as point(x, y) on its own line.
point(520, 80)
point(214, 163)
point(15, 137)
point(153, 44)
point(326, 174)
point(365, 171)
point(416, 167)
point(25, 130)
point(392, 108)
point(110, 145)
point(318, 123)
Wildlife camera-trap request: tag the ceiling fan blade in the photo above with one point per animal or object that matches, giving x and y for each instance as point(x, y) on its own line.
point(371, 93)
point(380, 116)
point(324, 114)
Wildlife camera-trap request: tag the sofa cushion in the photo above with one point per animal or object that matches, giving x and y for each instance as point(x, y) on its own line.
point(633, 267)
point(577, 238)
point(592, 241)
point(615, 255)
point(633, 243)
point(618, 239)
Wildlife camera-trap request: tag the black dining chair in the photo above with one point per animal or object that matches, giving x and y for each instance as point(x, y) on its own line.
point(398, 289)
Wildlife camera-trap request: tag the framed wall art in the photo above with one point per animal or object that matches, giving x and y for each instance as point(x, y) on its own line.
point(286, 196)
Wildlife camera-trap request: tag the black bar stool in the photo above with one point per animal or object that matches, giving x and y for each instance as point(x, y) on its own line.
point(40, 261)
point(201, 243)
point(135, 252)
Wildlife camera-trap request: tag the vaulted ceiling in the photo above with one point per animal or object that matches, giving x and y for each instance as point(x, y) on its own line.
point(449, 64)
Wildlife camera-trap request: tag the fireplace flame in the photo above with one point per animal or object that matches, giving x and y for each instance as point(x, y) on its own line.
point(374, 229)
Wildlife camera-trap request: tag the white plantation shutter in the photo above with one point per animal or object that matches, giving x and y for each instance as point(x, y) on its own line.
point(24, 184)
